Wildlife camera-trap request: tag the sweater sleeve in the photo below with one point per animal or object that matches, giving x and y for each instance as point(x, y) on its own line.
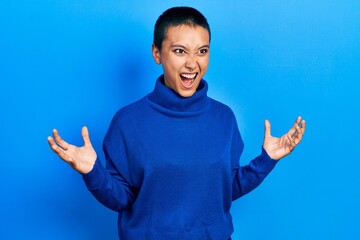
point(110, 185)
point(247, 178)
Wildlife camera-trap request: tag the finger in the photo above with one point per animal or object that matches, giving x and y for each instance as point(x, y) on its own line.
point(300, 129)
point(298, 135)
point(52, 143)
point(267, 128)
point(59, 151)
point(64, 145)
point(303, 126)
point(291, 141)
point(86, 137)
point(292, 132)
point(294, 129)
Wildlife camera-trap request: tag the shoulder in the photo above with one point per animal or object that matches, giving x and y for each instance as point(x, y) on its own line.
point(129, 113)
point(132, 108)
point(221, 108)
point(125, 120)
point(224, 115)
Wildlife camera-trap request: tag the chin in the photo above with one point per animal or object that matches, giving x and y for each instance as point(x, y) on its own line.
point(187, 93)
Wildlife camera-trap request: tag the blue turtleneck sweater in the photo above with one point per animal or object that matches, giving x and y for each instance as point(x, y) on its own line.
point(172, 167)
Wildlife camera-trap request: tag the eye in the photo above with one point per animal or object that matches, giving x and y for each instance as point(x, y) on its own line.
point(203, 51)
point(179, 51)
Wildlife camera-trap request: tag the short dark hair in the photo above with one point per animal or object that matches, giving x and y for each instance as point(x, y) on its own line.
point(177, 16)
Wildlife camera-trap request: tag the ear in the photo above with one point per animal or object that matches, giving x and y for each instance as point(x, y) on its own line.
point(156, 54)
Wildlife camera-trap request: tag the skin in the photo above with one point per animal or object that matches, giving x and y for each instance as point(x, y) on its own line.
point(278, 148)
point(185, 50)
point(82, 159)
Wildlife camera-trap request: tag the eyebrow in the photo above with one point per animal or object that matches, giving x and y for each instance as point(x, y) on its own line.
point(182, 46)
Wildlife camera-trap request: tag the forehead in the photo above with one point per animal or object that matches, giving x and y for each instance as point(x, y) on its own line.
point(187, 34)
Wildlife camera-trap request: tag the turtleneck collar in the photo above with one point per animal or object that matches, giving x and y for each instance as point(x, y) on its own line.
point(168, 101)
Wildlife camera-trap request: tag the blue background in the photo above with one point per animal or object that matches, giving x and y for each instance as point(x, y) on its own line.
point(66, 64)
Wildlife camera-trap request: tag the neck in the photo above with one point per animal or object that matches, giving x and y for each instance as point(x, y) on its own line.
point(169, 101)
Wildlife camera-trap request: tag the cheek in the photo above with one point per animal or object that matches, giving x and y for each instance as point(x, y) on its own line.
point(204, 63)
point(169, 69)
point(174, 65)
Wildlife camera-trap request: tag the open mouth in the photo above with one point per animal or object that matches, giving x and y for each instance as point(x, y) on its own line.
point(188, 79)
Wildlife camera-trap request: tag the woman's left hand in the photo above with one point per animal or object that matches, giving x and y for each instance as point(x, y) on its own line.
point(278, 148)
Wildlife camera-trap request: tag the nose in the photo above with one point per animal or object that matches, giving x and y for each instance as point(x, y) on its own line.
point(191, 63)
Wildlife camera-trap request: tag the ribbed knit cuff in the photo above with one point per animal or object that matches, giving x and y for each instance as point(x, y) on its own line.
point(96, 177)
point(267, 162)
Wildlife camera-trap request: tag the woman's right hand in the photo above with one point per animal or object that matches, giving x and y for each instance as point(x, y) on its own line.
point(82, 159)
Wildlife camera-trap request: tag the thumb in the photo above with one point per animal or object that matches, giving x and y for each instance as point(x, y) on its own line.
point(85, 135)
point(267, 128)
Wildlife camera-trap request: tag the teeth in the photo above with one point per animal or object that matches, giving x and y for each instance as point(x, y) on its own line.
point(191, 75)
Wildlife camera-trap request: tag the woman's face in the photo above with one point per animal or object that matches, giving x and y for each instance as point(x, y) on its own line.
point(184, 56)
